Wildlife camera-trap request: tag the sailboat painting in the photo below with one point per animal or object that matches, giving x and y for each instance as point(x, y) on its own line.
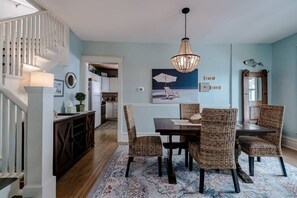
point(171, 86)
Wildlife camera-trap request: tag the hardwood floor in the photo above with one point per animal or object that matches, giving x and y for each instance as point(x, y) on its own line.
point(79, 180)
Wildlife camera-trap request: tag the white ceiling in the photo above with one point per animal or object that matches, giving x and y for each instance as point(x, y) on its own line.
point(161, 21)
point(15, 8)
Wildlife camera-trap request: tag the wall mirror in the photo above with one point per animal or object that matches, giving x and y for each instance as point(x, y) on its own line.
point(254, 93)
point(70, 80)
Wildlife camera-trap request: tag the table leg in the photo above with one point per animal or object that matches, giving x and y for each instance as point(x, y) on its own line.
point(245, 177)
point(169, 165)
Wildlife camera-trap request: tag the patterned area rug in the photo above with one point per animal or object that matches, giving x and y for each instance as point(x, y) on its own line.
point(143, 180)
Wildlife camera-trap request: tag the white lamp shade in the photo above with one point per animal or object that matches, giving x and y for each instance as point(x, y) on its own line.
point(41, 79)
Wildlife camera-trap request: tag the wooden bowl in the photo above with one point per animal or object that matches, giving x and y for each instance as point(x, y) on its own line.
point(195, 121)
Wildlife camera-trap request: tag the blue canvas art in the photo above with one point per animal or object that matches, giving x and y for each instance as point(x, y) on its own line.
point(171, 86)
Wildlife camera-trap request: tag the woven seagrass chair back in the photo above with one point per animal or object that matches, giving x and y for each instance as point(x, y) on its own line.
point(217, 139)
point(130, 122)
point(272, 116)
point(187, 110)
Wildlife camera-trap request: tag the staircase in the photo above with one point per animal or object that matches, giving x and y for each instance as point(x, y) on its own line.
point(36, 42)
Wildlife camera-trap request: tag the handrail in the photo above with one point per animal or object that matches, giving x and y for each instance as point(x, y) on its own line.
point(14, 99)
point(23, 16)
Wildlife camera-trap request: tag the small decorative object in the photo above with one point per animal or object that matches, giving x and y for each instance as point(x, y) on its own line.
point(68, 107)
point(204, 87)
point(80, 97)
point(195, 119)
point(59, 85)
point(251, 62)
point(70, 80)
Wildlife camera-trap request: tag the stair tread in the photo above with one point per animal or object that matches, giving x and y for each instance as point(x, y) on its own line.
point(6, 181)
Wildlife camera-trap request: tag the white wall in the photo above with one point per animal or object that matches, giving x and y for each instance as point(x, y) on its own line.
point(75, 48)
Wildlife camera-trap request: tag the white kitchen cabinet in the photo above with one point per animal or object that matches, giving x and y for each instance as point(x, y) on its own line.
point(111, 110)
point(113, 84)
point(105, 84)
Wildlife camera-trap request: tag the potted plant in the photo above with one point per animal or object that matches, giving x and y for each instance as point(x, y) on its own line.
point(80, 97)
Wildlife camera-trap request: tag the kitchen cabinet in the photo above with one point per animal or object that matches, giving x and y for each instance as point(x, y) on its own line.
point(73, 137)
point(105, 84)
point(109, 84)
point(113, 84)
point(111, 110)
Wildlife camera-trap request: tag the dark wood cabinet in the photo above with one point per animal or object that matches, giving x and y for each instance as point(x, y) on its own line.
point(73, 137)
point(90, 130)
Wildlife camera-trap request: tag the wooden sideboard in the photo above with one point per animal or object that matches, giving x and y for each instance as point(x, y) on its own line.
point(73, 137)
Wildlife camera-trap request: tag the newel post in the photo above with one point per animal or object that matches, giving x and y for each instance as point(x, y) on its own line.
point(39, 179)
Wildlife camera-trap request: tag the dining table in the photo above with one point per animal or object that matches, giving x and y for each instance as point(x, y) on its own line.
point(175, 127)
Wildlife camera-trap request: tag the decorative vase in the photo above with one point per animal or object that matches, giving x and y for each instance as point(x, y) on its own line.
point(80, 107)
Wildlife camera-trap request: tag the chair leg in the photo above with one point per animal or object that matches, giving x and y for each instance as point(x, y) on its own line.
point(201, 184)
point(259, 159)
point(251, 165)
point(160, 166)
point(186, 157)
point(235, 180)
point(190, 163)
point(128, 166)
point(283, 166)
point(179, 151)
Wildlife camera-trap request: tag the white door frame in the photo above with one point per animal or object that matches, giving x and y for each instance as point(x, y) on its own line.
point(84, 62)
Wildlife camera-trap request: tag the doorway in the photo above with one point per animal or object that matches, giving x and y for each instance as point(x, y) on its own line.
point(85, 62)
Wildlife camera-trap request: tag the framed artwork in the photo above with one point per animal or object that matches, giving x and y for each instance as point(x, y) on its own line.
point(171, 86)
point(59, 85)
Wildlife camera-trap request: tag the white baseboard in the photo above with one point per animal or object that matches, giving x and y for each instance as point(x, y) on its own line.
point(289, 142)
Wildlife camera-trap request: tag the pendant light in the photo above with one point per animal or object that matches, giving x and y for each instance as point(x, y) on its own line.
point(185, 61)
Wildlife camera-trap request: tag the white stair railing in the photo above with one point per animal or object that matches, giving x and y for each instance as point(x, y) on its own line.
point(24, 38)
point(13, 122)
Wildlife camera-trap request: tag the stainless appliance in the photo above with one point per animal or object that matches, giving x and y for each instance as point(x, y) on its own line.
point(95, 100)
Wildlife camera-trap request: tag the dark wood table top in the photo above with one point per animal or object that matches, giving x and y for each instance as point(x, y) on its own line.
point(165, 126)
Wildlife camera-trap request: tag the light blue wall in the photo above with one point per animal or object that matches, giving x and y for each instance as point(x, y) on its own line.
point(223, 61)
point(75, 50)
point(284, 80)
point(140, 59)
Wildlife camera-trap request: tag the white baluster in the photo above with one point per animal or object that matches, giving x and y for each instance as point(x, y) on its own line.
point(1, 48)
point(7, 48)
point(25, 40)
point(11, 152)
point(12, 45)
point(29, 41)
point(5, 133)
point(19, 46)
point(19, 143)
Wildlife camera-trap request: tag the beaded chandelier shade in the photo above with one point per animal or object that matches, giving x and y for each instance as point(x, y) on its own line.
point(185, 61)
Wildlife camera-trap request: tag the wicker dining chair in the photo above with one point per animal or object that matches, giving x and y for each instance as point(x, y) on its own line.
point(144, 146)
point(215, 149)
point(271, 116)
point(186, 111)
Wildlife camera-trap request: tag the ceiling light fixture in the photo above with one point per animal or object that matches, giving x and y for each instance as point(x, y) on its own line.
point(185, 61)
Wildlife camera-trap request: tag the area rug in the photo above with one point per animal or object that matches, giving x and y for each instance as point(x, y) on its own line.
point(143, 180)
